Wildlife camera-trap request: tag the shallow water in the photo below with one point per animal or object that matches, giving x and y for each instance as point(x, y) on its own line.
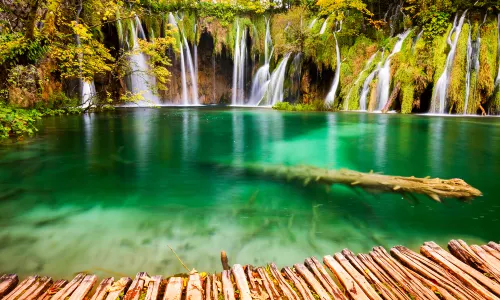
point(108, 193)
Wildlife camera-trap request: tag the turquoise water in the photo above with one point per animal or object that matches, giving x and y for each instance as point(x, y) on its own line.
point(108, 193)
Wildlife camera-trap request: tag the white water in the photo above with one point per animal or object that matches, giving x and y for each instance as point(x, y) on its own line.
point(473, 52)
point(330, 97)
point(87, 92)
point(274, 86)
point(239, 62)
point(141, 82)
point(366, 88)
point(323, 27)
point(438, 104)
point(384, 76)
point(367, 65)
point(311, 25)
point(261, 78)
point(188, 65)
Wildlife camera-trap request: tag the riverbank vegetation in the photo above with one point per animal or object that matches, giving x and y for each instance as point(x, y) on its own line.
point(85, 53)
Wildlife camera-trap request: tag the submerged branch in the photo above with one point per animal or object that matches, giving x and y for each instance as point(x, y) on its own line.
point(434, 188)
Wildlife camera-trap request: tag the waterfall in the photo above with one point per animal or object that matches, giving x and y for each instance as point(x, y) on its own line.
point(260, 80)
point(185, 100)
point(384, 76)
point(87, 92)
point(311, 25)
point(239, 61)
point(139, 79)
point(473, 52)
point(367, 65)
point(195, 53)
point(330, 97)
point(415, 41)
point(323, 27)
point(274, 86)
point(366, 87)
point(438, 103)
point(187, 65)
point(295, 77)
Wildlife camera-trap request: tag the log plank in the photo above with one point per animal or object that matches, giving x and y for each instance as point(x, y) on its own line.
point(433, 272)
point(37, 288)
point(84, 288)
point(381, 288)
point(287, 290)
point(174, 289)
point(154, 287)
point(69, 288)
point(360, 279)
point(22, 287)
point(351, 286)
point(135, 290)
point(7, 283)
point(463, 252)
point(300, 285)
point(208, 287)
point(194, 290)
point(385, 278)
point(241, 282)
point(309, 278)
point(464, 272)
point(268, 284)
point(227, 285)
point(56, 287)
point(118, 287)
point(103, 289)
point(323, 276)
point(492, 251)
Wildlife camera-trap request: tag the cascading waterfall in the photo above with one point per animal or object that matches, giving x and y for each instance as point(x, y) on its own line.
point(261, 78)
point(384, 75)
point(438, 103)
point(239, 62)
point(415, 41)
point(140, 81)
point(330, 97)
point(366, 85)
point(274, 87)
point(473, 51)
point(323, 27)
point(187, 65)
point(367, 65)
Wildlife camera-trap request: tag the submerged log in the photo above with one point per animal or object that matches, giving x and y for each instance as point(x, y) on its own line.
point(434, 188)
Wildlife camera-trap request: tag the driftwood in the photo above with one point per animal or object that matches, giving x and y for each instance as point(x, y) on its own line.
point(434, 188)
point(394, 94)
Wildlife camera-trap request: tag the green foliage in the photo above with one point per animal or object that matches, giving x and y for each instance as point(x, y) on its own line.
point(456, 90)
point(317, 105)
point(14, 46)
point(433, 22)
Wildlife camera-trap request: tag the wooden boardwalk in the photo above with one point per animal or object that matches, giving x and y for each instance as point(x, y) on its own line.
point(465, 272)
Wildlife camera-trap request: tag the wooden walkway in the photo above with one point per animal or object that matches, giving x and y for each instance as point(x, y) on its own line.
point(465, 272)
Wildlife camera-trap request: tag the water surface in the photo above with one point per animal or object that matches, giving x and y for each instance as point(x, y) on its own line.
point(108, 193)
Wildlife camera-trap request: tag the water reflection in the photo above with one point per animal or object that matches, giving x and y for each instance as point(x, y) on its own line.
point(147, 178)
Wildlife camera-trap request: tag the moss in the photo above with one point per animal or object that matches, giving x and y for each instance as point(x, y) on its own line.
point(488, 63)
point(440, 53)
point(456, 90)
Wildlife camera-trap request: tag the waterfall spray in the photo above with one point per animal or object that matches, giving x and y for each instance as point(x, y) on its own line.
point(330, 97)
point(367, 65)
point(384, 76)
point(311, 25)
point(438, 103)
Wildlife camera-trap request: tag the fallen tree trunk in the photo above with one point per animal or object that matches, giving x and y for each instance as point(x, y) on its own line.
point(434, 188)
